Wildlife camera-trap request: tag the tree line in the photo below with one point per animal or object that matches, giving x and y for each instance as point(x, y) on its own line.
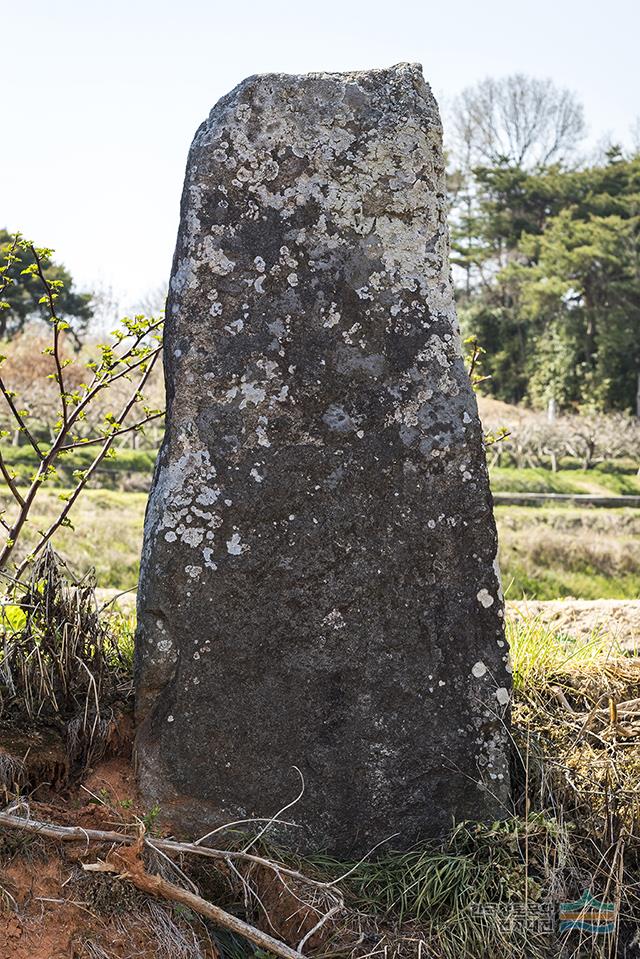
point(545, 252)
point(545, 248)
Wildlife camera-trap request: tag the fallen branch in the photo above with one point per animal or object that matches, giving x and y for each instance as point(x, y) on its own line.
point(630, 707)
point(126, 864)
point(158, 886)
point(63, 833)
point(79, 834)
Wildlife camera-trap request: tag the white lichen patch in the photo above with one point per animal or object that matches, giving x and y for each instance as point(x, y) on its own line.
point(496, 569)
point(235, 546)
point(184, 277)
point(485, 598)
point(479, 669)
point(252, 393)
point(217, 261)
point(261, 432)
point(176, 507)
point(332, 317)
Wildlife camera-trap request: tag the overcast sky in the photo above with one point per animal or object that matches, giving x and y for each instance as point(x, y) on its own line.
point(101, 100)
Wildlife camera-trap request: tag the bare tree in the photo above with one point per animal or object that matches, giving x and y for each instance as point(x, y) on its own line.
point(153, 301)
point(107, 309)
point(520, 119)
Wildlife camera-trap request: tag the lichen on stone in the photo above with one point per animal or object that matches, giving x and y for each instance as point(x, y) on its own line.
point(320, 519)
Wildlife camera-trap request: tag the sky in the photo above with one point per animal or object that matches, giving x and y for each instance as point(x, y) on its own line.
point(101, 99)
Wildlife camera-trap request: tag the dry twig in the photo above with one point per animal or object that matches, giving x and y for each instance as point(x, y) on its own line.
point(127, 864)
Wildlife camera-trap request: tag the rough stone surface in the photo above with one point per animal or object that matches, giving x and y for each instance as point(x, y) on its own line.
point(319, 587)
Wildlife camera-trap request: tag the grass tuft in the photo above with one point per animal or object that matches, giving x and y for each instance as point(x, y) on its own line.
point(60, 663)
point(539, 654)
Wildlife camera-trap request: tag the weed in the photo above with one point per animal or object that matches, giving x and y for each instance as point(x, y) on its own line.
point(539, 655)
point(60, 664)
point(150, 817)
point(12, 774)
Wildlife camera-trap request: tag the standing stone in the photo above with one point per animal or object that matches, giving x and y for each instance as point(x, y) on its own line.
point(319, 587)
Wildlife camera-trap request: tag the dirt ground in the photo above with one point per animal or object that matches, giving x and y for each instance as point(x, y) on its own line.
point(49, 908)
point(52, 908)
point(585, 619)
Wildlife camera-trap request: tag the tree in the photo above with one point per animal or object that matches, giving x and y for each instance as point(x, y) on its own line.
point(505, 201)
point(517, 119)
point(130, 358)
point(24, 298)
point(152, 303)
point(505, 133)
point(584, 282)
point(555, 300)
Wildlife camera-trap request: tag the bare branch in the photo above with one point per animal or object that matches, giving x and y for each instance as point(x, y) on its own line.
point(9, 480)
point(19, 419)
point(128, 865)
point(100, 385)
point(519, 119)
point(100, 439)
point(79, 834)
point(106, 444)
point(56, 330)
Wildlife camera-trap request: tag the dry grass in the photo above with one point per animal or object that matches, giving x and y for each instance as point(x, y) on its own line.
point(547, 553)
point(60, 664)
point(107, 533)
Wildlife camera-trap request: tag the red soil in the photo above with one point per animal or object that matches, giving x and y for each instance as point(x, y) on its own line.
point(48, 905)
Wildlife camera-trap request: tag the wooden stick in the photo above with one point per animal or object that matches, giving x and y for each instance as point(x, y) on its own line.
point(128, 865)
point(64, 833)
point(79, 834)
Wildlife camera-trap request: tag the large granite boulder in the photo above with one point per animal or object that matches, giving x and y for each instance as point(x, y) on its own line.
point(319, 586)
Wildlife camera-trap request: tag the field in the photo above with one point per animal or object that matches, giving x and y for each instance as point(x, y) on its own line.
point(549, 552)
point(612, 478)
point(546, 552)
